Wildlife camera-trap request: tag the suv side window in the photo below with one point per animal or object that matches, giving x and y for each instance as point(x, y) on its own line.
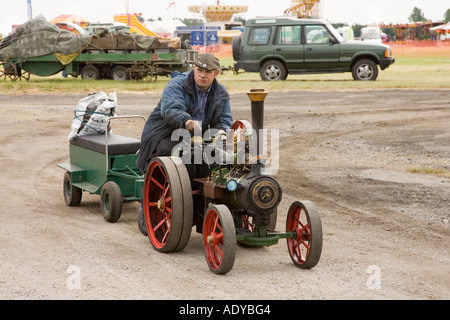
point(316, 34)
point(259, 36)
point(288, 35)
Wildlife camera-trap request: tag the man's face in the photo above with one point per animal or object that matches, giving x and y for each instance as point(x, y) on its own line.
point(203, 78)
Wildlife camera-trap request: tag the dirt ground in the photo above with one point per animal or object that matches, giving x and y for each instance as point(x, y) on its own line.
point(385, 229)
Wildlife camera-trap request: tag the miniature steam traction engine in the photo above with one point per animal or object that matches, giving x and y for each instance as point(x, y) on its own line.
point(230, 200)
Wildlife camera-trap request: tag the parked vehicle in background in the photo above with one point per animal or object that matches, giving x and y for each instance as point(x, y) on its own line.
point(276, 47)
point(371, 34)
point(41, 48)
point(346, 33)
point(110, 27)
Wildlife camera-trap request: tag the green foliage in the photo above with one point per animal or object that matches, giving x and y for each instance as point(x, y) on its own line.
point(357, 30)
point(390, 32)
point(447, 16)
point(417, 15)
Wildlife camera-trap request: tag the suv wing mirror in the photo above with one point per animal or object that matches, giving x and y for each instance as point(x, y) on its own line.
point(332, 40)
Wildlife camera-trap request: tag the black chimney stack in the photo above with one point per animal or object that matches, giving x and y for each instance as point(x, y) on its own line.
point(257, 97)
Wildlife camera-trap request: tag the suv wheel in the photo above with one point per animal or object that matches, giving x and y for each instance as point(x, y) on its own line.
point(236, 48)
point(273, 70)
point(365, 70)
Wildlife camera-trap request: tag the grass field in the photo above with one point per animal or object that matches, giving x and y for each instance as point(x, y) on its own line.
point(405, 73)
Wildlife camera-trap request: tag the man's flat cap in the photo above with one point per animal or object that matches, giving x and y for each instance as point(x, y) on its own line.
point(207, 61)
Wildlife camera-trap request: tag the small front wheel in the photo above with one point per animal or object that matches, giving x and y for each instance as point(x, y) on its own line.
point(111, 201)
point(303, 219)
point(72, 194)
point(219, 239)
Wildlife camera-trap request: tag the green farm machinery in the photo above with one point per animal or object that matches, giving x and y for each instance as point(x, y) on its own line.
point(42, 49)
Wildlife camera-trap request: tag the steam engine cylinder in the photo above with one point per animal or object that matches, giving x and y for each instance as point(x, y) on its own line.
point(258, 194)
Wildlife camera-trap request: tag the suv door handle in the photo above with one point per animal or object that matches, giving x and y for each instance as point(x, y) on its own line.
point(278, 49)
point(308, 49)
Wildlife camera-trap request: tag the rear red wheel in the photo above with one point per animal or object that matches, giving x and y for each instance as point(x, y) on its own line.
point(303, 219)
point(219, 239)
point(164, 205)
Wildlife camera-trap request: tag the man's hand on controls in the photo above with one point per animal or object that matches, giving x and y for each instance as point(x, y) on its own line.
point(193, 126)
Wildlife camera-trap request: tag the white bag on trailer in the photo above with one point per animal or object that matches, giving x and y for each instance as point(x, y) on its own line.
point(92, 113)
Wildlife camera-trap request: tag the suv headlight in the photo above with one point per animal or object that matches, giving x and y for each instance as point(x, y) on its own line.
point(387, 53)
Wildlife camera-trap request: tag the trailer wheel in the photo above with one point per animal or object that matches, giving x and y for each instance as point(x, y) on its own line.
point(72, 194)
point(24, 75)
point(120, 73)
point(8, 70)
point(143, 72)
point(303, 219)
point(111, 201)
point(219, 239)
point(164, 205)
point(90, 72)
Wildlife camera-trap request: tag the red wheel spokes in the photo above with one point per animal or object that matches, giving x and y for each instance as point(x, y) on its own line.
point(214, 240)
point(248, 226)
point(160, 204)
point(157, 183)
point(300, 246)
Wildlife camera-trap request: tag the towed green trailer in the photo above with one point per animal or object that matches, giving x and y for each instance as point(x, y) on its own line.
point(105, 165)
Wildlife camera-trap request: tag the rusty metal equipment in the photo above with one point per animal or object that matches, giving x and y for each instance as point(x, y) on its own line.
point(229, 201)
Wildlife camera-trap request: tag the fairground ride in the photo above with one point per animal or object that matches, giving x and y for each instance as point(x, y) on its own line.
point(217, 12)
point(304, 9)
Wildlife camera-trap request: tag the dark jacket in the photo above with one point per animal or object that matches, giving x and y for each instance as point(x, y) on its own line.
point(174, 109)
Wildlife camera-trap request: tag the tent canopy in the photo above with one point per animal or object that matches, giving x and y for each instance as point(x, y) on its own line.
point(441, 27)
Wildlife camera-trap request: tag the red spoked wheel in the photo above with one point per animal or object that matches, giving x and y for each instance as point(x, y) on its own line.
point(219, 239)
point(167, 205)
point(8, 70)
point(305, 249)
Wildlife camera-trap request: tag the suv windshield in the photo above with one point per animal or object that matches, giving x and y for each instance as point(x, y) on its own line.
point(335, 33)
